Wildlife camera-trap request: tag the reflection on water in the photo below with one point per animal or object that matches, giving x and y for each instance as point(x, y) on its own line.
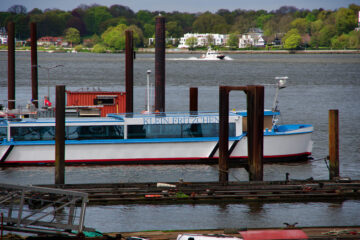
point(203, 216)
point(316, 84)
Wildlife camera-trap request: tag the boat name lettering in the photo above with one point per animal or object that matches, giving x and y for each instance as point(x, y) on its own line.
point(181, 120)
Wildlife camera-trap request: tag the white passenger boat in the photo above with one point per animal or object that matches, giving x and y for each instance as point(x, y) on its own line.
point(212, 55)
point(150, 138)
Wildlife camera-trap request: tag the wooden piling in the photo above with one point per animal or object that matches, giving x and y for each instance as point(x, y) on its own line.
point(223, 135)
point(60, 135)
point(11, 65)
point(334, 143)
point(34, 65)
point(129, 71)
point(160, 64)
point(193, 104)
point(255, 133)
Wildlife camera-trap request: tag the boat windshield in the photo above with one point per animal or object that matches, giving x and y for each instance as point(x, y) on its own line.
point(177, 130)
point(71, 133)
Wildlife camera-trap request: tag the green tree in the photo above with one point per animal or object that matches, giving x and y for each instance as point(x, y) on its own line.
point(99, 48)
point(94, 16)
point(293, 31)
point(112, 22)
point(144, 16)
point(326, 34)
point(149, 30)
point(72, 35)
point(262, 19)
point(300, 24)
point(114, 37)
point(233, 41)
point(174, 29)
point(52, 22)
point(340, 42)
point(354, 39)
point(293, 41)
point(191, 42)
point(345, 20)
point(208, 23)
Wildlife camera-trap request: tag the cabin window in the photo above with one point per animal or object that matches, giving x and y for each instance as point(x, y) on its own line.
point(94, 132)
point(3, 133)
point(32, 133)
point(104, 100)
point(72, 133)
point(176, 130)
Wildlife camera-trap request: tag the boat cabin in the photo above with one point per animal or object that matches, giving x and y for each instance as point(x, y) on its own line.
point(94, 103)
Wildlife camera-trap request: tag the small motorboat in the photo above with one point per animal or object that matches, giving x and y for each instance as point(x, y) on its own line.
point(212, 55)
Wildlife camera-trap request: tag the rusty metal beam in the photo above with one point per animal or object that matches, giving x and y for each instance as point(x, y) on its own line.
point(255, 133)
point(223, 135)
point(11, 65)
point(34, 65)
point(129, 71)
point(160, 64)
point(334, 143)
point(255, 122)
point(193, 104)
point(60, 135)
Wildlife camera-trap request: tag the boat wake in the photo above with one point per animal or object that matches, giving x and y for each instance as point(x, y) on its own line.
point(199, 59)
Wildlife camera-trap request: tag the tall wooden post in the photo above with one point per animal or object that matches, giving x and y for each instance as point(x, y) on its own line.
point(193, 104)
point(334, 143)
point(160, 64)
point(34, 65)
point(129, 71)
point(255, 133)
point(11, 65)
point(60, 135)
point(223, 135)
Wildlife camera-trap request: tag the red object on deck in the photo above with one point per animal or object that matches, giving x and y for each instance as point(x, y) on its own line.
point(273, 234)
point(107, 102)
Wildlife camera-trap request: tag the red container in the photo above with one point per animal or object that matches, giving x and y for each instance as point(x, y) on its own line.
point(107, 102)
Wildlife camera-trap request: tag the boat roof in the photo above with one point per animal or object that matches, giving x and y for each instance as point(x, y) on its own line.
point(122, 117)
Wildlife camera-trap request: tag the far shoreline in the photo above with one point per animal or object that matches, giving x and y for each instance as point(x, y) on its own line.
point(183, 51)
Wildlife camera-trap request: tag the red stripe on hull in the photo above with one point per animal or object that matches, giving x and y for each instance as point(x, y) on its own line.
point(275, 158)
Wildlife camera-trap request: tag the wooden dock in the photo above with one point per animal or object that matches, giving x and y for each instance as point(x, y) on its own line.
point(207, 192)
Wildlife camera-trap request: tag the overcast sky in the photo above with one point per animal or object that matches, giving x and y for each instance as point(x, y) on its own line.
point(191, 6)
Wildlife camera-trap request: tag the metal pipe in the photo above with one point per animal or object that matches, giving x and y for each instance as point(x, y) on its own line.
point(129, 71)
point(60, 135)
point(34, 63)
point(11, 65)
point(160, 64)
point(148, 90)
point(193, 105)
point(334, 143)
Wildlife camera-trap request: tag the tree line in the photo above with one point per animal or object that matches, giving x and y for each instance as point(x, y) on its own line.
point(104, 26)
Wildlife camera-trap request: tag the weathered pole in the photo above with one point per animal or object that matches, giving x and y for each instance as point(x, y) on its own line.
point(129, 71)
point(60, 135)
point(11, 65)
point(223, 135)
point(334, 143)
point(160, 64)
point(193, 104)
point(255, 131)
point(34, 65)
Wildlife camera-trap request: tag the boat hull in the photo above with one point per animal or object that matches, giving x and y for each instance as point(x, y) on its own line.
point(277, 147)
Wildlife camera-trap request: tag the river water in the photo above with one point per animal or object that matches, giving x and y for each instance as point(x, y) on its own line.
point(316, 84)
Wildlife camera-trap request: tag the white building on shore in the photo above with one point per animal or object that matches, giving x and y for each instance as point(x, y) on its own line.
point(252, 39)
point(204, 39)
